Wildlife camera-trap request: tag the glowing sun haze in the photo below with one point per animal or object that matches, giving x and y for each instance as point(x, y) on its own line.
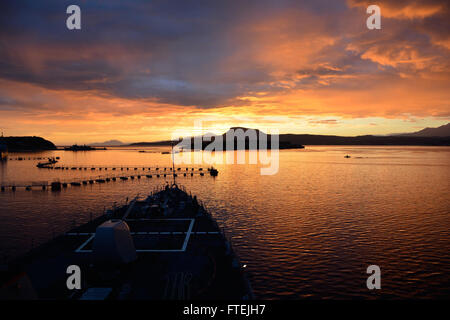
point(139, 70)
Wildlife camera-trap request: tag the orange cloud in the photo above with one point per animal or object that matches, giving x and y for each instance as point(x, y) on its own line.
point(405, 9)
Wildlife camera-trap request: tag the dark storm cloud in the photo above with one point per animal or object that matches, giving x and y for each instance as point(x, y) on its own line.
point(430, 17)
point(168, 50)
point(199, 53)
point(141, 49)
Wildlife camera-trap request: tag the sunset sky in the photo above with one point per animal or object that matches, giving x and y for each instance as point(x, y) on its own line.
point(138, 70)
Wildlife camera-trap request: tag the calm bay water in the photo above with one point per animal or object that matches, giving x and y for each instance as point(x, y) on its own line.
point(310, 231)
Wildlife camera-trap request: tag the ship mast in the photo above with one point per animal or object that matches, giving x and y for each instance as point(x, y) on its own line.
point(173, 163)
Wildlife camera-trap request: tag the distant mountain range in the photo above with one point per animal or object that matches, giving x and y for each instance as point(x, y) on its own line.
point(109, 143)
point(442, 131)
point(427, 137)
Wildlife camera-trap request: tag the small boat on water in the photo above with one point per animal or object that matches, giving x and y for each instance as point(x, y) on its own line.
point(3, 152)
point(180, 150)
point(50, 162)
point(3, 149)
point(213, 171)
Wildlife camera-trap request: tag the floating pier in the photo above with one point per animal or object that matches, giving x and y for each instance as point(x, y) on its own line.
point(29, 158)
point(147, 172)
point(120, 168)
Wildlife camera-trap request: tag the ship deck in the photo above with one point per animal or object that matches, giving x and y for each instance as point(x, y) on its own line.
point(181, 254)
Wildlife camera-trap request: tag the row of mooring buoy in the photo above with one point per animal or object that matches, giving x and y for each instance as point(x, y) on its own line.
point(57, 185)
point(29, 158)
point(93, 168)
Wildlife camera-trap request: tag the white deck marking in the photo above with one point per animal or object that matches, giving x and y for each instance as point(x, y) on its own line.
point(185, 243)
point(186, 239)
point(188, 235)
point(79, 234)
point(142, 233)
point(130, 207)
point(169, 219)
point(80, 248)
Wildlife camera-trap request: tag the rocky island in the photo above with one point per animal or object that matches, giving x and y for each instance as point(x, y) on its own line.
point(76, 147)
point(27, 143)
